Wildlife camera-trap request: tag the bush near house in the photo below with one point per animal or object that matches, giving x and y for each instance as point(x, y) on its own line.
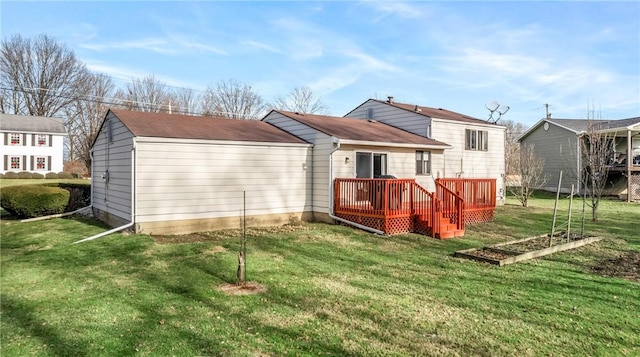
point(30, 201)
point(36, 175)
point(24, 175)
point(65, 175)
point(51, 175)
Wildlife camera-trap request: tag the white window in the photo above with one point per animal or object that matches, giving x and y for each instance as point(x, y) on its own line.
point(41, 140)
point(370, 165)
point(15, 163)
point(15, 139)
point(476, 140)
point(423, 162)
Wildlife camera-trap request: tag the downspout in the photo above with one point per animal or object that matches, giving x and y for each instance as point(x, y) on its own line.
point(334, 217)
point(133, 204)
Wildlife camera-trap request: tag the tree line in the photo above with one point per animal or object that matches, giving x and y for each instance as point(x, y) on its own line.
point(40, 76)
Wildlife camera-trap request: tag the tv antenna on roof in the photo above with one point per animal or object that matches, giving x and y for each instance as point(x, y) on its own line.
point(495, 107)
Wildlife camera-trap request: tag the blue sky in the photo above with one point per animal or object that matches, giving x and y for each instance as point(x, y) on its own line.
point(454, 55)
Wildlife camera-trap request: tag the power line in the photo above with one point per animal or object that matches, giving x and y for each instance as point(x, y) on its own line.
point(117, 101)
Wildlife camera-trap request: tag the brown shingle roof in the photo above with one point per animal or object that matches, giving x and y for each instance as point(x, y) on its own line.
point(360, 130)
point(435, 112)
point(200, 127)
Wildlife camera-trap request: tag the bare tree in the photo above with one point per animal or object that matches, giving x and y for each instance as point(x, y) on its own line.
point(529, 177)
point(512, 149)
point(234, 100)
point(38, 76)
point(302, 100)
point(85, 115)
point(146, 95)
point(596, 149)
point(184, 101)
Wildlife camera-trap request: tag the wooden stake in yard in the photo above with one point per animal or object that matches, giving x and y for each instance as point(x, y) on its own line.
point(242, 262)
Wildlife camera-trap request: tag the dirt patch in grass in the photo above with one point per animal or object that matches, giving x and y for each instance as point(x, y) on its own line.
point(227, 233)
point(626, 266)
point(248, 288)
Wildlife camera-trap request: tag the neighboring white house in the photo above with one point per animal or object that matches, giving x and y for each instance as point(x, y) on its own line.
point(31, 143)
point(477, 147)
point(346, 148)
point(172, 174)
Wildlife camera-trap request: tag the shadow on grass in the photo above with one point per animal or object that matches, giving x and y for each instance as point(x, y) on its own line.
point(18, 315)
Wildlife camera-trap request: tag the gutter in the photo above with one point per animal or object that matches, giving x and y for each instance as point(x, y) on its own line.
point(331, 213)
point(133, 214)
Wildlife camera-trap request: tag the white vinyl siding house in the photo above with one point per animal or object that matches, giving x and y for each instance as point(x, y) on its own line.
point(483, 158)
point(335, 151)
point(32, 144)
point(189, 184)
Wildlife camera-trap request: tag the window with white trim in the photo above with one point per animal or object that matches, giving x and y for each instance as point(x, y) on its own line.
point(16, 139)
point(476, 140)
point(41, 140)
point(423, 162)
point(15, 163)
point(370, 165)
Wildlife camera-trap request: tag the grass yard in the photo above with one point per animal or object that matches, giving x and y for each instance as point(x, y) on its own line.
point(330, 290)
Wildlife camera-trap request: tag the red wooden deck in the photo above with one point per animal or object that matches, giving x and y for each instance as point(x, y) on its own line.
point(396, 206)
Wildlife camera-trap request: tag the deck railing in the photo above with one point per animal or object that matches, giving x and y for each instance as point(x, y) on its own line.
point(373, 197)
point(479, 196)
point(401, 205)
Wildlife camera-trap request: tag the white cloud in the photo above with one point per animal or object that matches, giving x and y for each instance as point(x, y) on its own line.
point(397, 8)
point(168, 45)
point(261, 46)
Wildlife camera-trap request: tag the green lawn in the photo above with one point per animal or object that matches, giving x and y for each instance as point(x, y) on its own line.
point(15, 182)
point(331, 290)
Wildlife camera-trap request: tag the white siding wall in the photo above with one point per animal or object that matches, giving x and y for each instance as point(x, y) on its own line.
point(187, 180)
point(472, 163)
point(113, 196)
point(321, 180)
point(322, 147)
point(55, 152)
point(401, 163)
point(399, 118)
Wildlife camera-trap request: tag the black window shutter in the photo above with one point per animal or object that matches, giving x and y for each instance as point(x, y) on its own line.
point(48, 163)
point(6, 163)
point(24, 162)
point(50, 140)
point(24, 139)
point(33, 139)
point(6, 138)
point(32, 163)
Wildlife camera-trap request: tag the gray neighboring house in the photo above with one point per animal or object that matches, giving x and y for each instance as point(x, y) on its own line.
point(558, 142)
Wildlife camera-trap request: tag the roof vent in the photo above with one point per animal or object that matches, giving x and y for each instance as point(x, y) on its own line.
point(372, 121)
point(390, 99)
point(417, 109)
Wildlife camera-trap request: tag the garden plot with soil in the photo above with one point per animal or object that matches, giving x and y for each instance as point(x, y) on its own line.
point(525, 249)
